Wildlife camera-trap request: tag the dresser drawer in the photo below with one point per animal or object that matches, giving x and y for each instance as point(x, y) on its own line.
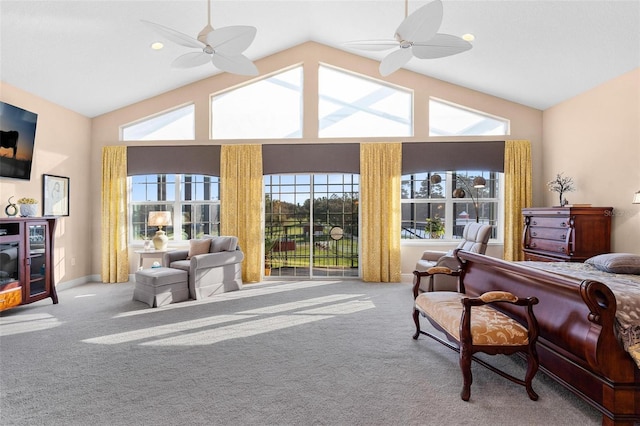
point(534, 257)
point(10, 298)
point(552, 246)
point(558, 234)
point(549, 222)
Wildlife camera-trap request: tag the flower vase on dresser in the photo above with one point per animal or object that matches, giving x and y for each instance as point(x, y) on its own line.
point(28, 207)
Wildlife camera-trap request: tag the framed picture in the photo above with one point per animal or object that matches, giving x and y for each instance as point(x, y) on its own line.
point(55, 193)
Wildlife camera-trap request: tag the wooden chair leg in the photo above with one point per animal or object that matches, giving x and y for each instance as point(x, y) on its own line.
point(416, 320)
point(532, 368)
point(465, 367)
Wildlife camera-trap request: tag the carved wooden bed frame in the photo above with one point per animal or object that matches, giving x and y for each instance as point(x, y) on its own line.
point(577, 345)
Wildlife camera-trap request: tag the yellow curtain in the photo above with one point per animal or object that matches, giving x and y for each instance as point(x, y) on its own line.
point(380, 173)
point(518, 194)
point(241, 211)
point(115, 256)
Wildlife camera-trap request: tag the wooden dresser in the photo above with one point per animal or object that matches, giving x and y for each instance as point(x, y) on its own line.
point(566, 234)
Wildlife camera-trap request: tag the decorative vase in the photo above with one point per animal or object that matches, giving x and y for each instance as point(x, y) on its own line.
point(28, 210)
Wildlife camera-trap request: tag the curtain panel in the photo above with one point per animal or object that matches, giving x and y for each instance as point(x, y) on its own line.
point(517, 195)
point(242, 205)
point(380, 174)
point(115, 255)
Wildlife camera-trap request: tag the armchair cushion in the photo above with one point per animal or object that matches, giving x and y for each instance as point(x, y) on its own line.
point(219, 244)
point(199, 247)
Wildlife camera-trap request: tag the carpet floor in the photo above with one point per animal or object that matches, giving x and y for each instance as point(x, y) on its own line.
point(278, 353)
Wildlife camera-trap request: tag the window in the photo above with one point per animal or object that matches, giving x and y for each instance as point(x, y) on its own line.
point(267, 109)
point(448, 197)
point(448, 119)
point(193, 200)
point(177, 124)
point(354, 106)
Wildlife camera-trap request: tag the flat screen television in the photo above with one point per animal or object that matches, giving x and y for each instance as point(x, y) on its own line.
point(17, 141)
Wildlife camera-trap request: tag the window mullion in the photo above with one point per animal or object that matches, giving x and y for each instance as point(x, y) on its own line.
point(177, 209)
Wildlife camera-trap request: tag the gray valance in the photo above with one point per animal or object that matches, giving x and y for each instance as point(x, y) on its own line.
point(311, 158)
point(191, 159)
point(439, 156)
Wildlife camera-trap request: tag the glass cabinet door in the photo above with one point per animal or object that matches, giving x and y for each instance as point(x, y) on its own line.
point(37, 265)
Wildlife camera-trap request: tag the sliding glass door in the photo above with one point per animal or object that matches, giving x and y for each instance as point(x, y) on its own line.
point(311, 225)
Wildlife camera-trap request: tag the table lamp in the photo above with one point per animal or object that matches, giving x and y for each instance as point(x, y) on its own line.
point(160, 219)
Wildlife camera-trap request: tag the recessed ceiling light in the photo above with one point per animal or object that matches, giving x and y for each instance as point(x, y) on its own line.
point(157, 45)
point(468, 37)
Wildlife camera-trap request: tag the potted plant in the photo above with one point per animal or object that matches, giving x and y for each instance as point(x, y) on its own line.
point(435, 227)
point(268, 246)
point(28, 206)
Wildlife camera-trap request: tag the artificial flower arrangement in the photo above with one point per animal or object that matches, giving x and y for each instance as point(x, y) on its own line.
point(27, 200)
point(561, 184)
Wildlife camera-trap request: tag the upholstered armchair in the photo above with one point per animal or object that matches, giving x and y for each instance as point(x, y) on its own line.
point(475, 238)
point(214, 265)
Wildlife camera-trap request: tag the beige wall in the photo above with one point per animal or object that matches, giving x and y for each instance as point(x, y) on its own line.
point(526, 123)
point(62, 148)
point(595, 139)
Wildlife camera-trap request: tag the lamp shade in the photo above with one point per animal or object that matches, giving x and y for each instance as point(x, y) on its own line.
point(159, 219)
point(636, 198)
point(479, 182)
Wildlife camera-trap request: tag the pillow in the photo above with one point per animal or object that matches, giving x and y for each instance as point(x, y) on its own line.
point(198, 247)
point(219, 244)
point(617, 263)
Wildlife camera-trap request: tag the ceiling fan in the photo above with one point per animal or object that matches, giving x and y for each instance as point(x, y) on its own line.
point(222, 47)
point(416, 36)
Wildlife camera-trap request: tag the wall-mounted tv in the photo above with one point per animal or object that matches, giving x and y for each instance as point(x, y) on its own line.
point(17, 141)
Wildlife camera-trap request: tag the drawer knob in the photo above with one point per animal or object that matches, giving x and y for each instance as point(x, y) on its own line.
point(535, 234)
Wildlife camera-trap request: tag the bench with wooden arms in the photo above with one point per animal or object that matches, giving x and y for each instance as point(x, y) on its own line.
point(474, 324)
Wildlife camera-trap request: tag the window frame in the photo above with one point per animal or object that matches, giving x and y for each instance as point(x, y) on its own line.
point(449, 201)
point(174, 203)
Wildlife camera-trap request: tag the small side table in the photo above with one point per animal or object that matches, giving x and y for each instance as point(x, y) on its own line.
point(152, 253)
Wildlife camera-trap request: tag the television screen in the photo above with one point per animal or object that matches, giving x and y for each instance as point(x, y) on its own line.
point(17, 140)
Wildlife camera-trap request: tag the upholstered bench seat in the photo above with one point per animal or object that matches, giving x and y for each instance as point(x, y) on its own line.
point(475, 325)
point(488, 326)
point(161, 286)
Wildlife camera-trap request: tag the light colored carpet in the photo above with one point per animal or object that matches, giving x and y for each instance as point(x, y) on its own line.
point(278, 353)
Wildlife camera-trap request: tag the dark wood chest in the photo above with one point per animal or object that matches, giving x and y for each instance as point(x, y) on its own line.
point(566, 234)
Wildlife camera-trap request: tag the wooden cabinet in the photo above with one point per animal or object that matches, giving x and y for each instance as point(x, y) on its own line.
point(26, 261)
point(568, 234)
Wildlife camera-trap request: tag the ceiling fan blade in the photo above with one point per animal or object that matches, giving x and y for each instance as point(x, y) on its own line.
point(231, 40)
point(191, 59)
point(439, 46)
point(234, 64)
point(422, 24)
point(174, 36)
point(394, 61)
point(374, 45)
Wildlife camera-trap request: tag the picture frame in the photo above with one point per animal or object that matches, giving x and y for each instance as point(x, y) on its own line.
point(55, 195)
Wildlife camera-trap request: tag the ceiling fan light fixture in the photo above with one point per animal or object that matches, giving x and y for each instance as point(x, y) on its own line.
point(417, 36)
point(222, 47)
point(468, 37)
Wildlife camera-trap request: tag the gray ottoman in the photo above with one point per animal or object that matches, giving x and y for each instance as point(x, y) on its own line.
point(161, 286)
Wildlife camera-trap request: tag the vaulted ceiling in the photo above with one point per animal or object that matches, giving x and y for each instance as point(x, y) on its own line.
point(93, 56)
